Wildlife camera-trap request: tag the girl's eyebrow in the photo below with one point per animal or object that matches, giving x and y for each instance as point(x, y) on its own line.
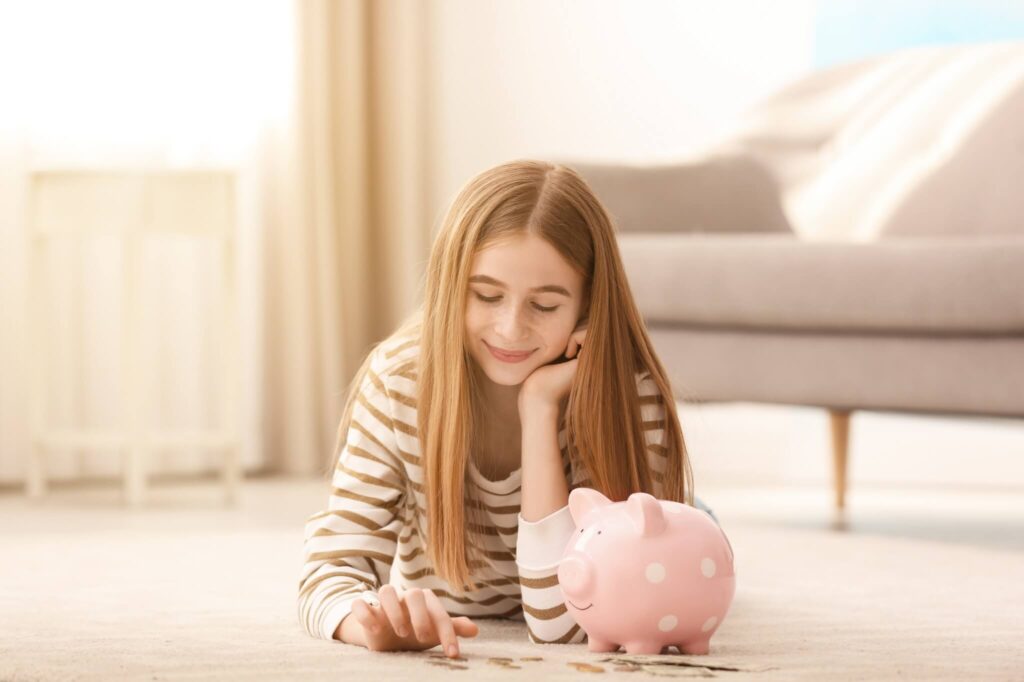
point(547, 287)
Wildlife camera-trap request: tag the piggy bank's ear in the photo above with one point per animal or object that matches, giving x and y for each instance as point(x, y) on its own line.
point(582, 500)
point(646, 513)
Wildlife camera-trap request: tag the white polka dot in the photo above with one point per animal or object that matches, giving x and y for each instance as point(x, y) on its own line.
point(667, 623)
point(655, 572)
point(709, 623)
point(707, 567)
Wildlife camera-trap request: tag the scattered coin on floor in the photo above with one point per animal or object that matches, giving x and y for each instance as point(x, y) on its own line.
point(503, 662)
point(446, 664)
point(663, 670)
point(684, 660)
point(444, 657)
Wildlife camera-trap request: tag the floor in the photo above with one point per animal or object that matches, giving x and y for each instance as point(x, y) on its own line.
point(914, 584)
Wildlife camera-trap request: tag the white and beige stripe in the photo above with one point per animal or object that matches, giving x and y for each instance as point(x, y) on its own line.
point(374, 527)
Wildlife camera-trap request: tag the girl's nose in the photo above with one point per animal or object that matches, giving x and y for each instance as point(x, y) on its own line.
point(510, 327)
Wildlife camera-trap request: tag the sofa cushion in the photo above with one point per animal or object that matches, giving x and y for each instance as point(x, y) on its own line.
point(720, 193)
point(917, 284)
point(923, 141)
point(976, 189)
point(937, 374)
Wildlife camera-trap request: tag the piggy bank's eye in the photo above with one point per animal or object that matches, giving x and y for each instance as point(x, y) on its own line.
point(598, 532)
point(581, 530)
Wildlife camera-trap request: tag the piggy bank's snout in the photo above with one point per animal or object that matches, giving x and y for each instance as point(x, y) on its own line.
point(575, 576)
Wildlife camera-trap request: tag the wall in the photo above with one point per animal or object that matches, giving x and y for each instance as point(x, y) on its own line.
point(636, 81)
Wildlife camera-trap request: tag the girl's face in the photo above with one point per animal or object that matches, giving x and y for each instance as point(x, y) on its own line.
point(523, 298)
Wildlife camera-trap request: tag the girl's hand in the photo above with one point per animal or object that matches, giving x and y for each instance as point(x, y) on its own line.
point(412, 620)
point(548, 384)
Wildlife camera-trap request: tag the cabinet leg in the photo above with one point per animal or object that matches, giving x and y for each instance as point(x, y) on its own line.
point(232, 475)
point(35, 476)
point(134, 476)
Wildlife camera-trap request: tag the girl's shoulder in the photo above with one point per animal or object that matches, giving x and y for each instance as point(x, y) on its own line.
point(645, 382)
point(397, 355)
point(652, 402)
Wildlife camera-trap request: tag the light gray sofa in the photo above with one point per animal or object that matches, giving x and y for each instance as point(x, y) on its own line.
point(775, 268)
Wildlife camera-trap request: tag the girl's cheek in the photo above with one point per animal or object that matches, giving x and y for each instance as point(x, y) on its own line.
point(476, 315)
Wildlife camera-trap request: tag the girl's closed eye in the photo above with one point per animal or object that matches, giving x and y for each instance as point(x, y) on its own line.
point(495, 299)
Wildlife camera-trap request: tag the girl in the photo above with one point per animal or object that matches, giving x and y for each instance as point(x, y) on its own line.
point(527, 372)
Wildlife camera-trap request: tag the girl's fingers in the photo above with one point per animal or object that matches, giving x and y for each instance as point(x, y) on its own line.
point(393, 609)
point(366, 617)
point(576, 341)
point(430, 621)
point(464, 627)
point(421, 622)
point(442, 624)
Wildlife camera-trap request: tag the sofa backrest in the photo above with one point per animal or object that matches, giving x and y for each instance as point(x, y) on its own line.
point(920, 142)
point(721, 193)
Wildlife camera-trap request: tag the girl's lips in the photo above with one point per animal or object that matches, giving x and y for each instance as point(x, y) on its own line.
point(507, 357)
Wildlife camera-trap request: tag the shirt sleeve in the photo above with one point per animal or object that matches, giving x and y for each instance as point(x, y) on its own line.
point(541, 544)
point(539, 547)
point(349, 547)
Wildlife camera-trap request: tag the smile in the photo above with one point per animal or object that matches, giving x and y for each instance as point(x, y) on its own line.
point(578, 608)
point(507, 357)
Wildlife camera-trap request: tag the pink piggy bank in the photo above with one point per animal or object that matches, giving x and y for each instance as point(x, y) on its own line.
point(645, 573)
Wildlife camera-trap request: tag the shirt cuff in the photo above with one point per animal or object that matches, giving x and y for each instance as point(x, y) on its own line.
point(541, 544)
point(337, 612)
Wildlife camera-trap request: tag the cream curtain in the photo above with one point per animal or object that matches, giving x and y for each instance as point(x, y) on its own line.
point(330, 148)
point(345, 260)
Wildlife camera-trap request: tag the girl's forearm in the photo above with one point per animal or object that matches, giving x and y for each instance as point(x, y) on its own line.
point(544, 488)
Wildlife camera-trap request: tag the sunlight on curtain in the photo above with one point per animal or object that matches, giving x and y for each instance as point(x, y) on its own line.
point(118, 84)
point(184, 79)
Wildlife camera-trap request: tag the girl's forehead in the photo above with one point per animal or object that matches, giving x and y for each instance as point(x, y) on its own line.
point(524, 260)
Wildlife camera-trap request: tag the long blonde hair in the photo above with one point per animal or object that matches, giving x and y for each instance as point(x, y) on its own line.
point(603, 420)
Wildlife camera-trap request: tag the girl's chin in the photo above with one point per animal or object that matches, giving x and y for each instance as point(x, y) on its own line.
point(506, 374)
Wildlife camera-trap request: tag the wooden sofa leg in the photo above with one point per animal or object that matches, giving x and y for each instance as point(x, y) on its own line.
point(840, 426)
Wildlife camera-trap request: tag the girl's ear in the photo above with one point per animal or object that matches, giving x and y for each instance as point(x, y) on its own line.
point(582, 500)
point(584, 314)
point(581, 322)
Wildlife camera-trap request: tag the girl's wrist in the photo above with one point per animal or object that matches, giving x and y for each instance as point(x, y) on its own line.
point(536, 408)
point(350, 631)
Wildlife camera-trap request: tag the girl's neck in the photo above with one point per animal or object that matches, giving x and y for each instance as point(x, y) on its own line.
point(496, 443)
point(501, 403)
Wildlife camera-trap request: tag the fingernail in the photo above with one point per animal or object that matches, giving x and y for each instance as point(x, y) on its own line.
point(402, 631)
point(452, 651)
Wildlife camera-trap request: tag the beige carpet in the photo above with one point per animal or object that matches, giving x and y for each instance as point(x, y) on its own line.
point(920, 585)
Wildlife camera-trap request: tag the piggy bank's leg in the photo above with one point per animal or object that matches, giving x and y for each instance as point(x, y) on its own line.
point(644, 647)
point(600, 645)
point(696, 647)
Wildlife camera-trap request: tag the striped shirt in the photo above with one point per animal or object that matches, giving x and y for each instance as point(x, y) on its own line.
point(374, 527)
